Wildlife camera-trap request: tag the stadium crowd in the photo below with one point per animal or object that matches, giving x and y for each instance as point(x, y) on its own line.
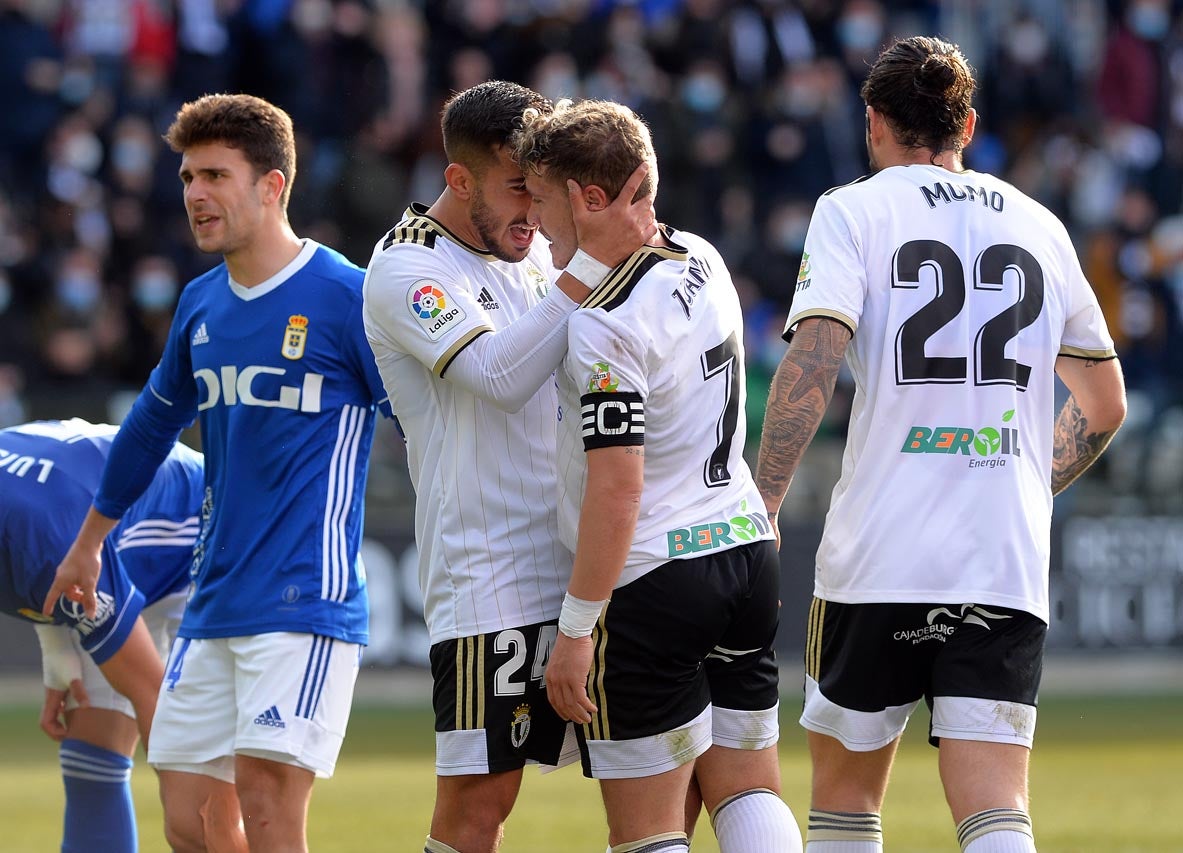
point(753, 106)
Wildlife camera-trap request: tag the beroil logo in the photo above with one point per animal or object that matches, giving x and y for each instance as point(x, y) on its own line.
point(987, 446)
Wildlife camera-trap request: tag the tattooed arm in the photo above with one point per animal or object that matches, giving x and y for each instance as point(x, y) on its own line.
point(1092, 414)
point(800, 393)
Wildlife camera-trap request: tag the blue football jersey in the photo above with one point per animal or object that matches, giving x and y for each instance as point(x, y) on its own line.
point(49, 473)
point(284, 385)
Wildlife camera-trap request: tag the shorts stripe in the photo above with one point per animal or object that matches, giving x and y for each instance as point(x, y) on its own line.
point(470, 683)
point(597, 729)
point(314, 676)
point(813, 641)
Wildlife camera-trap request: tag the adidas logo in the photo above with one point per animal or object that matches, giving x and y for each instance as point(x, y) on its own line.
point(200, 336)
point(486, 300)
point(270, 717)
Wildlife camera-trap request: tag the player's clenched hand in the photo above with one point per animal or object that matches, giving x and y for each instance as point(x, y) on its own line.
point(76, 579)
point(53, 711)
point(566, 678)
point(611, 234)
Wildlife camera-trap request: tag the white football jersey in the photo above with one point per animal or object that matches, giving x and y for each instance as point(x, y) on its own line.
point(485, 481)
point(655, 357)
point(961, 292)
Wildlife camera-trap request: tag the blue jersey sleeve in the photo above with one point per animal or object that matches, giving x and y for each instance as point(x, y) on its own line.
point(166, 406)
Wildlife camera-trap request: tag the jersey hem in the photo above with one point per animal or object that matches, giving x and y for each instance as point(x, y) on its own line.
point(361, 638)
point(935, 596)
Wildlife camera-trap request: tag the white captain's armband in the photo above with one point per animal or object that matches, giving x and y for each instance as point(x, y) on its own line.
point(59, 660)
point(612, 419)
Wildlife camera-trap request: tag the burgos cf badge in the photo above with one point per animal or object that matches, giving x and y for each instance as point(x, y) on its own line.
point(602, 378)
point(519, 729)
point(294, 337)
point(433, 308)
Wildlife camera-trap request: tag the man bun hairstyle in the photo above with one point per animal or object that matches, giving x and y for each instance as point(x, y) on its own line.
point(259, 129)
point(923, 87)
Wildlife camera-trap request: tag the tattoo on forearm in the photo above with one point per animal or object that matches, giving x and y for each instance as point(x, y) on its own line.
point(800, 393)
point(1074, 447)
point(634, 451)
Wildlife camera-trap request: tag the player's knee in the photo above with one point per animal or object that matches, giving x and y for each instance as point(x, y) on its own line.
point(184, 833)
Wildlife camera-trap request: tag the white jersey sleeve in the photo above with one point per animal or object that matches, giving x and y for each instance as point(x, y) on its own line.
point(421, 302)
point(839, 288)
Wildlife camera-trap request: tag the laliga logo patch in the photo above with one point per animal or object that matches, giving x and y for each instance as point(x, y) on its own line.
point(294, 337)
point(433, 308)
point(519, 729)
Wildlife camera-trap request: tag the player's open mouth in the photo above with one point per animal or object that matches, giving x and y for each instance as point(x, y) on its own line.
point(522, 235)
point(204, 222)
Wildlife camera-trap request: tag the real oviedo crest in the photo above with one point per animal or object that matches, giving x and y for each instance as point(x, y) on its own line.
point(294, 337)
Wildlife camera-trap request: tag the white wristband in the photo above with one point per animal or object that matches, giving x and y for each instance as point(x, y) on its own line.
point(59, 660)
point(587, 270)
point(578, 617)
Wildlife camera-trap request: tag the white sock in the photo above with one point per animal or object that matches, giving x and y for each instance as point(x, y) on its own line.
point(755, 821)
point(996, 831)
point(843, 832)
point(433, 846)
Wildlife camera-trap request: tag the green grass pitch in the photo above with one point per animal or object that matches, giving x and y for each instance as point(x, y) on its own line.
point(1106, 777)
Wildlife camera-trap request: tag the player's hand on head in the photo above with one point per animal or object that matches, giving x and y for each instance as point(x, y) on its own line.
point(611, 234)
point(566, 678)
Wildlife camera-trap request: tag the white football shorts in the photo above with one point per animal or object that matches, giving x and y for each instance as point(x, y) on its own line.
point(281, 696)
point(162, 618)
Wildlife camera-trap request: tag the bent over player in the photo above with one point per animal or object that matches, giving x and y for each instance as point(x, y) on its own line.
point(955, 300)
point(102, 672)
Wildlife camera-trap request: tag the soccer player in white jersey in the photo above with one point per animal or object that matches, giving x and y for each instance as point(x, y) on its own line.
point(102, 674)
point(268, 351)
point(467, 332)
point(956, 300)
point(661, 511)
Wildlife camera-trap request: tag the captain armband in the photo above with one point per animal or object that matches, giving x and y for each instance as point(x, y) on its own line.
point(612, 419)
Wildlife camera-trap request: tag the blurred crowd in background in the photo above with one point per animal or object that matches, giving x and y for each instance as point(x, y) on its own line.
point(754, 109)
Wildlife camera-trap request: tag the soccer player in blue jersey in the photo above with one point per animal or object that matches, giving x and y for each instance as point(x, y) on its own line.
point(268, 352)
point(102, 672)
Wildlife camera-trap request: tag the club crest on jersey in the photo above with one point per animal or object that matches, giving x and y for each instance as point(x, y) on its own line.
point(541, 283)
point(804, 273)
point(433, 308)
point(602, 378)
point(519, 727)
point(294, 337)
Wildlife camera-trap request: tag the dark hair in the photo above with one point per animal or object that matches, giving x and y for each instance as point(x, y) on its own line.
point(923, 87)
point(479, 120)
point(590, 142)
point(257, 128)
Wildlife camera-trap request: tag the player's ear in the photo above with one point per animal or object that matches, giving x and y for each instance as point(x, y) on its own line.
point(595, 198)
point(273, 184)
point(971, 123)
point(460, 180)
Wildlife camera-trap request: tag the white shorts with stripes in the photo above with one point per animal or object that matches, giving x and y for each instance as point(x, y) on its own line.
point(280, 696)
